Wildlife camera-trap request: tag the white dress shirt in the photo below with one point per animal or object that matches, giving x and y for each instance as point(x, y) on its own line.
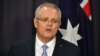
point(39, 50)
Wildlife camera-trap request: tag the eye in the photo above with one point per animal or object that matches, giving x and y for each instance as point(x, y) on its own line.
point(44, 19)
point(55, 21)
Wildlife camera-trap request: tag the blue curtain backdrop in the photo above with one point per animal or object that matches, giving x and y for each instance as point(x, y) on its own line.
point(16, 22)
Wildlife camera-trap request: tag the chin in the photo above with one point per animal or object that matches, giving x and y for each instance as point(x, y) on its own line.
point(49, 36)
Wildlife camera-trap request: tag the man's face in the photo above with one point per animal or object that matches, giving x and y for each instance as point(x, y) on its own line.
point(48, 23)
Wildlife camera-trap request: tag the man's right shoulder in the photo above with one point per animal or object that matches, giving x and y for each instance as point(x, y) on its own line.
point(24, 41)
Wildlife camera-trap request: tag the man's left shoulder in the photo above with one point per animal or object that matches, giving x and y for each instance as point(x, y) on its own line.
point(70, 49)
point(67, 44)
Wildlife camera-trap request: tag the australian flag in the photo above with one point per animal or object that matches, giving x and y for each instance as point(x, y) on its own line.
point(76, 24)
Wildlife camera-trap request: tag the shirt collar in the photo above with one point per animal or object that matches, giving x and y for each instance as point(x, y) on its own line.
point(40, 43)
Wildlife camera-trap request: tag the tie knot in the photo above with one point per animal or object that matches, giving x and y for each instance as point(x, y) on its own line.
point(44, 47)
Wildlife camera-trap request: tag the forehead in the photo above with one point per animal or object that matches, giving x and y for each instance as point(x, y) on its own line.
point(48, 11)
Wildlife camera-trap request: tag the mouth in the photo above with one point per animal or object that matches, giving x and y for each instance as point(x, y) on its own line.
point(49, 30)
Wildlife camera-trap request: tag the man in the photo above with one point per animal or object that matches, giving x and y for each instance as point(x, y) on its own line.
point(45, 43)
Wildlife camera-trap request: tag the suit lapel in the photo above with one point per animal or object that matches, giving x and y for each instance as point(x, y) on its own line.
point(58, 48)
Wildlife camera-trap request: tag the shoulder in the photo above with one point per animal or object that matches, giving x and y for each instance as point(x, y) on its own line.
point(21, 47)
point(70, 49)
point(23, 42)
point(68, 44)
point(67, 48)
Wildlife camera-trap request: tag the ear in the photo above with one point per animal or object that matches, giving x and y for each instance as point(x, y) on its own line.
point(35, 22)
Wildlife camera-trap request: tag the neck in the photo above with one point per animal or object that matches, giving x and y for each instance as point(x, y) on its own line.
point(45, 39)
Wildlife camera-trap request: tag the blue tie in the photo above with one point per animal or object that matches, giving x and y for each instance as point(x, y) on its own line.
point(44, 50)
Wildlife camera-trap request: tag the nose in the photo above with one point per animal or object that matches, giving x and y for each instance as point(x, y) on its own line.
point(49, 22)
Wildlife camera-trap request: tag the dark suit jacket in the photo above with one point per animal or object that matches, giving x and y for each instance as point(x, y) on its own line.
point(26, 47)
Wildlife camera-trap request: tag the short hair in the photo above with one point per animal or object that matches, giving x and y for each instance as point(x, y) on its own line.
point(46, 4)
